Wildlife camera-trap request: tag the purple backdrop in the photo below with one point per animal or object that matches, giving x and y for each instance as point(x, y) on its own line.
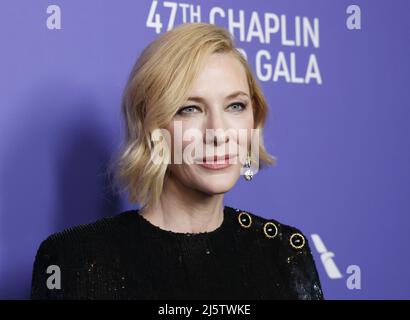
point(342, 144)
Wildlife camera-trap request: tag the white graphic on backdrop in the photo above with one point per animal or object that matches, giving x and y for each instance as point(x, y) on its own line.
point(327, 258)
point(353, 280)
point(272, 35)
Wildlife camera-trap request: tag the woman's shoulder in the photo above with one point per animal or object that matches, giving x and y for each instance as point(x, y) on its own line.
point(270, 229)
point(78, 253)
point(96, 236)
point(287, 245)
point(101, 228)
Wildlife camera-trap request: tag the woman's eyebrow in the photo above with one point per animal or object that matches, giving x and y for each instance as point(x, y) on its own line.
point(230, 96)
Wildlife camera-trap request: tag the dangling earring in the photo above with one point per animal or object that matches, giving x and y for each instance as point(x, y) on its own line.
point(248, 175)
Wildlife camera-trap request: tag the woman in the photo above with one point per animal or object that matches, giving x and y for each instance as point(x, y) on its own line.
point(183, 243)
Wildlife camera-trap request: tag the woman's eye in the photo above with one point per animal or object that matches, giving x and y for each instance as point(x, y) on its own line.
point(238, 106)
point(189, 109)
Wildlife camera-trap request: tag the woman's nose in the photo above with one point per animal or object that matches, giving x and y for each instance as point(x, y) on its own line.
point(216, 131)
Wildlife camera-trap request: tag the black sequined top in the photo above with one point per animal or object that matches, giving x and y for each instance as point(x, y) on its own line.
point(127, 257)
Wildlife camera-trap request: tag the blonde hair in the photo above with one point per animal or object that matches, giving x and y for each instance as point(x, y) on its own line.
point(158, 85)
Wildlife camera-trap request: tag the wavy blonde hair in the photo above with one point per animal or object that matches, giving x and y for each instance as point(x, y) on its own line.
point(157, 86)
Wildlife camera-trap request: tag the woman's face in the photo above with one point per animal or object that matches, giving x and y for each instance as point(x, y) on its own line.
point(212, 106)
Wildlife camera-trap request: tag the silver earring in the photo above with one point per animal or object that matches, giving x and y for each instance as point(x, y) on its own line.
point(248, 175)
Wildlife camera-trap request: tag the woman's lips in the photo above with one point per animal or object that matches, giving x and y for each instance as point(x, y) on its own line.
point(217, 163)
point(215, 166)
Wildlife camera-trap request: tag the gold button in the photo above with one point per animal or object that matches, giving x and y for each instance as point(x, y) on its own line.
point(270, 229)
point(297, 240)
point(244, 219)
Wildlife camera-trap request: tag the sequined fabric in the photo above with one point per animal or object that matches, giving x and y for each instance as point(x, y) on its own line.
point(127, 257)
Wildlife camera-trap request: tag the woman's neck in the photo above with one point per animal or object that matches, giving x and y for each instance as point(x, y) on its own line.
point(183, 209)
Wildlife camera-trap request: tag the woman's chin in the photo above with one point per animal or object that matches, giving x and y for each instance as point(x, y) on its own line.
point(217, 184)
